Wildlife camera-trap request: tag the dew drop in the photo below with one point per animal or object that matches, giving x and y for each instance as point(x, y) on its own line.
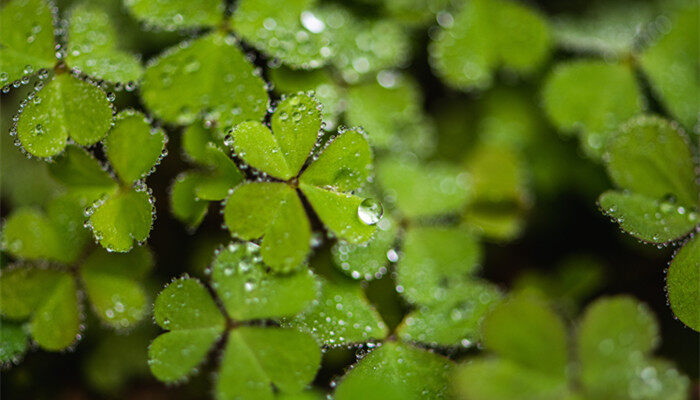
point(370, 211)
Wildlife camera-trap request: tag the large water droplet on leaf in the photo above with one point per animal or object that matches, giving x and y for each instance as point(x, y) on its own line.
point(370, 211)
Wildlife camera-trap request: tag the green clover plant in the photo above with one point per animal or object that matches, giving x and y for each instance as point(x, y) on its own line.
point(593, 97)
point(485, 35)
point(342, 316)
point(258, 354)
point(529, 355)
point(121, 209)
point(651, 161)
point(211, 181)
point(67, 106)
point(55, 267)
point(271, 207)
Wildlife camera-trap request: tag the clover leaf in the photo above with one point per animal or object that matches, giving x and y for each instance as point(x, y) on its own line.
point(682, 283)
point(612, 360)
point(485, 35)
point(216, 175)
point(95, 52)
point(613, 30)
point(272, 208)
point(397, 371)
point(591, 98)
point(29, 46)
point(329, 93)
point(287, 30)
point(48, 298)
point(500, 192)
point(650, 159)
point(671, 63)
point(228, 90)
point(66, 106)
point(122, 209)
point(390, 110)
point(177, 14)
point(340, 316)
point(255, 357)
point(14, 341)
point(419, 191)
point(363, 46)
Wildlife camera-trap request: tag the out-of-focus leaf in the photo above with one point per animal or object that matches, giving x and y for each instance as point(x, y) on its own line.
point(49, 298)
point(13, 341)
point(591, 98)
point(683, 282)
point(360, 46)
point(391, 113)
point(82, 173)
point(92, 46)
point(672, 63)
point(285, 29)
point(437, 263)
point(454, 321)
point(29, 45)
point(111, 283)
point(369, 260)
point(421, 190)
point(177, 14)
point(485, 35)
point(227, 90)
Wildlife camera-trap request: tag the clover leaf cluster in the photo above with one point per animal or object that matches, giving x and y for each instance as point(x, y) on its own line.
point(365, 242)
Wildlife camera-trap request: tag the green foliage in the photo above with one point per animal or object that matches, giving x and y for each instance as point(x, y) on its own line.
point(255, 357)
point(396, 371)
point(682, 284)
point(341, 315)
point(671, 62)
point(65, 107)
point(612, 360)
point(48, 298)
point(432, 190)
point(320, 81)
point(121, 212)
point(96, 53)
point(591, 98)
point(287, 30)
point(390, 111)
point(611, 30)
point(227, 89)
point(179, 14)
point(651, 160)
point(272, 210)
point(216, 175)
point(376, 281)
point(30, 43)
point(13, 341)
point(486, 35)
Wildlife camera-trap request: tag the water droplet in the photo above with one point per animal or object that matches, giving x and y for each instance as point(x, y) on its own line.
point(370, 211)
